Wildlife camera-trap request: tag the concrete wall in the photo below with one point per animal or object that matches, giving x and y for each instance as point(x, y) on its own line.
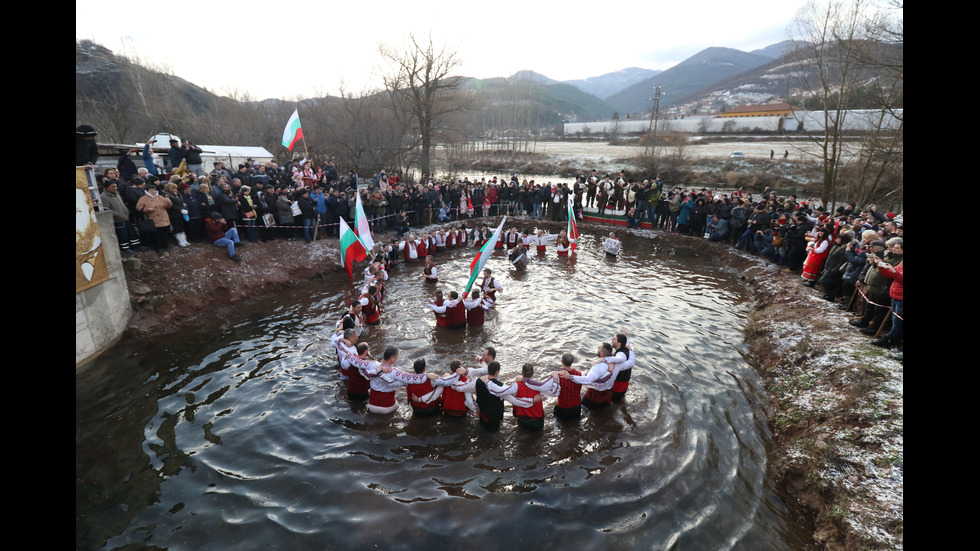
point(102, 312)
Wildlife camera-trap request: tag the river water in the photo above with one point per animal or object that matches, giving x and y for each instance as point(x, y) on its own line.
point(240, 436)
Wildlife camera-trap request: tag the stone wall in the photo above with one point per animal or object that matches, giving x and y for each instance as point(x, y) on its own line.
point(102, 312)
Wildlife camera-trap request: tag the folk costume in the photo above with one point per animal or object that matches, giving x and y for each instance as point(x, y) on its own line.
point(490, 288)
point(476, 310)
point(816, 253)
point(426, 397)
point(454, 311)
point(599, 380)
point(457, 398)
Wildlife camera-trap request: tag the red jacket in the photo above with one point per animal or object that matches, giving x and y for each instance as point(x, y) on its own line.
point(215, 230)
point(897, 289)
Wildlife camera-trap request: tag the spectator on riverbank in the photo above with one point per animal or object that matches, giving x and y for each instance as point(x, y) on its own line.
point(153, 206)
point(221, 235)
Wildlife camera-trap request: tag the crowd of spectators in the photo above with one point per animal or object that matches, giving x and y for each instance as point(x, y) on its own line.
point(854, 255)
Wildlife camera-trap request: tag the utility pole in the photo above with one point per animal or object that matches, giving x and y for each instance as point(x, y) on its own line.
point(654, 116)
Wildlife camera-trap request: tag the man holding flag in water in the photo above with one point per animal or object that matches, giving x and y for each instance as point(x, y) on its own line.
point(571, 237)
point(481, 260)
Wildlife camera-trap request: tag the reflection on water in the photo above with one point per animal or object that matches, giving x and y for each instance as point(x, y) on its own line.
point(240, 435)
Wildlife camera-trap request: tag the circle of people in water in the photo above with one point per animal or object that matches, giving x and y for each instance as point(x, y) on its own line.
point(472, 390)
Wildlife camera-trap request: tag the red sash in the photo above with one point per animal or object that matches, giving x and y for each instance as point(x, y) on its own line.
point(596, 396)
point(382, 399)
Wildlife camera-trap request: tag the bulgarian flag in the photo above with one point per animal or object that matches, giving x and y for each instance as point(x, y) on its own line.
point(293, 132)
point(361, 225)
point(572, 227)
point(352, 250)
point(481, 257)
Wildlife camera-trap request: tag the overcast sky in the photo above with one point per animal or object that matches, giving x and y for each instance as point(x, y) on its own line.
point(307, 48)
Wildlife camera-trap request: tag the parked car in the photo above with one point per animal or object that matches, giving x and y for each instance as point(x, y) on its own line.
point(738, 155)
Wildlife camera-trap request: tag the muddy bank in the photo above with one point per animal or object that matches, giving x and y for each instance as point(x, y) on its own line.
point(835, 401)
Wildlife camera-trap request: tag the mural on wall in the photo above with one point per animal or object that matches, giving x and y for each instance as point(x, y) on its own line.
point(90, 263)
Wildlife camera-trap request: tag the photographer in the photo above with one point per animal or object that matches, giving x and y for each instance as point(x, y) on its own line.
point(191, 154)
point(795, 241)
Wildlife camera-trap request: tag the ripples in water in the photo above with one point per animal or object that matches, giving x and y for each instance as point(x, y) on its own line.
point(241, 436)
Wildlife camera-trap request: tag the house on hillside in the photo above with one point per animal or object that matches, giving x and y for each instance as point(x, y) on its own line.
point(768, 110)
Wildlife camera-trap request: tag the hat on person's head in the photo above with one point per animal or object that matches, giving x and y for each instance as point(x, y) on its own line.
point(136, 180)
point(878, 243)
point(173, 140)
point(216, 215)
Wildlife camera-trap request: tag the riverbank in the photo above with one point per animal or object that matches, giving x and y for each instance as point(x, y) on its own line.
point(835, 402)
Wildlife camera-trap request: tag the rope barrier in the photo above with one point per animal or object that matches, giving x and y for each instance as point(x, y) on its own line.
point(370, 220)
point(869, 301)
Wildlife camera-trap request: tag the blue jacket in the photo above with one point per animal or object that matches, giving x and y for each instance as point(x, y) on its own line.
point(684, 217)
point(176, 154)
point(319, 202)
point(148, 161)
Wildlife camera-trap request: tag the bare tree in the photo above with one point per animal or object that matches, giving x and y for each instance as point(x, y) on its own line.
point(853, 49)
point(365, 134)
point(421, 85)
point(878, 174)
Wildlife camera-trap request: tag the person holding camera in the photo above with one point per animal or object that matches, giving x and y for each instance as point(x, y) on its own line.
point(220, 235)
point(875, 285)
point(896, 292)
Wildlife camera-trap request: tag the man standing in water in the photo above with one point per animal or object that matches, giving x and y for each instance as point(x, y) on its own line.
point(568, 392)
point(458, 397)
point(490, 393)
point(430, 271)
point(611, 245)
point(622, 360)
point(385, 380)
point(490, 286)
point(426, 397)
point(599, 379)
point(344, 342)
point(453, 309)
point(529, 417)
point(489, 354)
point(438, 303)
point(359, 371)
